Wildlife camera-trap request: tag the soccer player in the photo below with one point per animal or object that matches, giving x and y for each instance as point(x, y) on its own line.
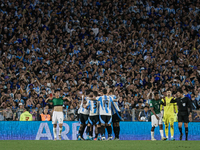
point(183, 104)
point(58, 112)
point(156, 118)
point(169, 114)
point(83, 117)
point(94, 116)
point(116, 115)
point(105, 114)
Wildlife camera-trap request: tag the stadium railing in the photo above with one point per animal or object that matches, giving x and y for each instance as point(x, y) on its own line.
point(72, 114)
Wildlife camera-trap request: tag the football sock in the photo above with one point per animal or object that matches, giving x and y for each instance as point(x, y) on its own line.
point(109, 129)
point(180, 130)
point(60, 130)
point(118, 131)
point(152, 135)
point(115, 129)
point(166, 131)
point(172, 131)
point(102, 131)
point(91, 131)
point(88, 130)
point(99, 130)
point(161, 133)
point(54, 132)
point(81, 130)
point(186, 132)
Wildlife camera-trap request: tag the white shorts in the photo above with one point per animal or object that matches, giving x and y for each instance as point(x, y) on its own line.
point(154, 121)
point(57, 117)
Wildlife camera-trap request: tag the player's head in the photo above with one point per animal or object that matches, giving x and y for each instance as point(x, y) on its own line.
point(156, 94)
point(169, 93)
point(95, 93)
point(179, 93)
point(87, 92)
point(111, 92)
point(104, 91)
point(26, 109)
point(57, 93)
point(146, 108)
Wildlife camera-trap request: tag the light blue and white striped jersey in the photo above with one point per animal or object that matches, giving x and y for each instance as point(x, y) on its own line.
point(83, 110)
point(105, 105)
point(94, 108)
point(114, 105)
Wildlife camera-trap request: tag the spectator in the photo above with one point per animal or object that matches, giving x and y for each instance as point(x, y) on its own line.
point(137, 47)
point(19, 111)
point(45, 116)
point(1, 115)
point(126, 114)
point(8, 114)
point(145, 115)
point(140, 104)
point(194, 103)
point(71, 117)
point(196, 117)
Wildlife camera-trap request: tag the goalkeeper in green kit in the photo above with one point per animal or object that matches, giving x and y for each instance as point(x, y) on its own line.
point(58, 112)
point(156, 117)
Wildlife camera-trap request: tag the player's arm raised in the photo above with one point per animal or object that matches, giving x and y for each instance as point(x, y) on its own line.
point(164, 102)
point(48, 99)
point(174, 100)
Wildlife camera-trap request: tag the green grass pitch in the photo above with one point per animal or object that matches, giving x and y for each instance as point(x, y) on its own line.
point(99, 145)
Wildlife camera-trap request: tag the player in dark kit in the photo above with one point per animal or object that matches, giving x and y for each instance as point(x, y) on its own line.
point(183, 104)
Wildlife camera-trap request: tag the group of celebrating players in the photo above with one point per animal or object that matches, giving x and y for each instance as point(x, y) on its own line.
point(95, 110)
point(99, 110)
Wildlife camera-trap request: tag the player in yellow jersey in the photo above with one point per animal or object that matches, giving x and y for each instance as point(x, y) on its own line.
point(169, 114)
point(26, 116)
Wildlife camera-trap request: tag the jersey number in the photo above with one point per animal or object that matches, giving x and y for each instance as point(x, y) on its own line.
point(95, 105)
point(27, 118)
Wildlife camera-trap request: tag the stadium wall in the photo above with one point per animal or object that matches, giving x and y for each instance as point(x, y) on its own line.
point(36, 130)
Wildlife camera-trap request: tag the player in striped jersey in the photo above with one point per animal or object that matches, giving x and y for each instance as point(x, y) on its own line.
point(116, 115)
point(83, 117)
point(94, 115)
point(105, 114)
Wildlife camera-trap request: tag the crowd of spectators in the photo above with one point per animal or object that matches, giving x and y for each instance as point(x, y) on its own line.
point(133, 45)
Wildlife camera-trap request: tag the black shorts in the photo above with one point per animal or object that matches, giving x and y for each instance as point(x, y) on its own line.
point(116, 118)
point(105, 119)
point(83, 119)
point(183, 118)
point(94, 120)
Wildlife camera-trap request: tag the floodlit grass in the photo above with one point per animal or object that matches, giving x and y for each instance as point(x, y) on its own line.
point(99, 145)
